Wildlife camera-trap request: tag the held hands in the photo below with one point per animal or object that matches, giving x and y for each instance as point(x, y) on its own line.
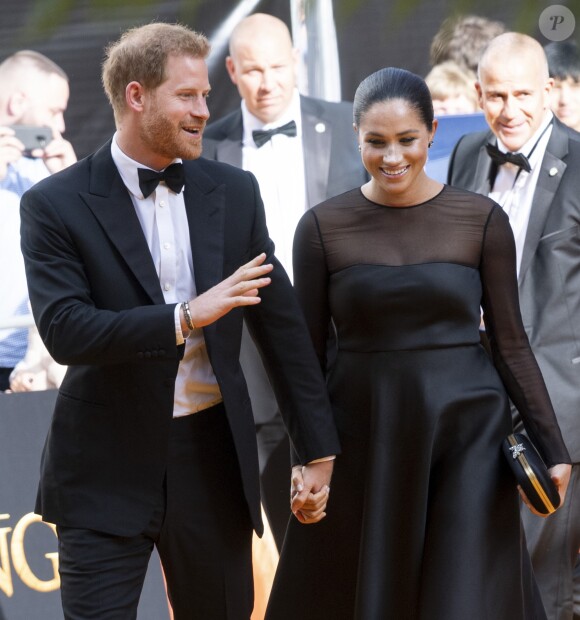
point(240, 289)
point(560, 475)
point(309, 491)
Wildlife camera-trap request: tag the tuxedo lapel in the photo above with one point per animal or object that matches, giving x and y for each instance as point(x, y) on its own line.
point(550, 176)
point(230, 152)
point(229, 149)
point(205, 207)
point(481, 180)
point(316, 143)
point(111, 204)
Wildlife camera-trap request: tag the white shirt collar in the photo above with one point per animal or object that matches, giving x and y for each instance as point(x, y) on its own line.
point(127, 168)
point(251, 122)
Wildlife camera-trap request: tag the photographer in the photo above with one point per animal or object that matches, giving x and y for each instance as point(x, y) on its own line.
point(34, 93)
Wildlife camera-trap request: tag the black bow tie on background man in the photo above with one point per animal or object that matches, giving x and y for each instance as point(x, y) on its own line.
point(499, 158)
point(172, 175)
point(261, 136)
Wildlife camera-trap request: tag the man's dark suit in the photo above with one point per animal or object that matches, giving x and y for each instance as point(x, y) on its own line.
point(549, 287)
point(332, 165)
point(99, 307)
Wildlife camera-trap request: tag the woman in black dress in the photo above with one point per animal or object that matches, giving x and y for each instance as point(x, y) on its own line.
point(423, 517)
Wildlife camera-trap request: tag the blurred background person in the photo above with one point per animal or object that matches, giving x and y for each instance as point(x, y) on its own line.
point(459, 40)
point(452, 89)
point(302, 151)
point(34, 91)
point(37, 370)
point(564, 67)
point(462, 38)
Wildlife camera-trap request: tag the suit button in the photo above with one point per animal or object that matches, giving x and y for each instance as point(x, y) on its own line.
point(154, 354)
point(147, 354)
point(161, 352)
point(140, 355)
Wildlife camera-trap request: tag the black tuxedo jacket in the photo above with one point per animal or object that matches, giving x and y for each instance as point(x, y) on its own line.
point(99, 308)
point(332, 164)
point(549, 278)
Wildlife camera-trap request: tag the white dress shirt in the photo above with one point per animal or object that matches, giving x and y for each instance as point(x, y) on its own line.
point(13, 287)
point(21, 175)
point(279, 167)
point(164, 222)
point(514, 188)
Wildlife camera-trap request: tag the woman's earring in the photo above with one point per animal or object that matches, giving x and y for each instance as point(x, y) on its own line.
point(430, 144)
point(359, 148)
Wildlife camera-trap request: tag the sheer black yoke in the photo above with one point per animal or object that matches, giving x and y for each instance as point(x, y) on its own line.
point(414, 278)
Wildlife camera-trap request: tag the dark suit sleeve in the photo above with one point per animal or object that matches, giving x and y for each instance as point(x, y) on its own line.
point(279, 330)
point(71, 285)
point(452, 161)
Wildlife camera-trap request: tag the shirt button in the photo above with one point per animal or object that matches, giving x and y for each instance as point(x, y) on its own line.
point(167, 286)
point(162, 203)
point(167, 245)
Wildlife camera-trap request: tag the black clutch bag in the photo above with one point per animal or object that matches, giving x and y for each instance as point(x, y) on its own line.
point(531, 473)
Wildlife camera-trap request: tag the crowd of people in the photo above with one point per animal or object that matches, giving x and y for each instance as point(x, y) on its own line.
point(285, 298)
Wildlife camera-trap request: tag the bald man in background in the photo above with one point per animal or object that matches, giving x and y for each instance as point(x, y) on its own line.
point(302, 151)
point(541, 195)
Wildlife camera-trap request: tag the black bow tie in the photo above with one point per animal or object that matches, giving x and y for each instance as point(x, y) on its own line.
point(172, 175)
point(261, 136)
point(519, 159)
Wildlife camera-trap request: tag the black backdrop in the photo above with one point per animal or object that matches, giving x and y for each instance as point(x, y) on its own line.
point(28, 548)
point(371, 34)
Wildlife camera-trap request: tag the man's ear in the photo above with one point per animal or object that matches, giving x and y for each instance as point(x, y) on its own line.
point(479, 94)
point(548, 86)
point(16, 105)
point(230, 66)
point(134, 96)
point(434, 128)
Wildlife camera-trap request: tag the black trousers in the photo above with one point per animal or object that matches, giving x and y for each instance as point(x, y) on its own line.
point(201, 528)
point(553, 544)
point(272, 438)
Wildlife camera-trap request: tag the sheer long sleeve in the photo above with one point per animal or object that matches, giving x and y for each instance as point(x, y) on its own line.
point(311, 277)
point(511, 351)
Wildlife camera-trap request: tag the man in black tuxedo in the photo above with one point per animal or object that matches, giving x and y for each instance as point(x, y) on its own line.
point(302, 151)
point(529, 163)
point(139, 282)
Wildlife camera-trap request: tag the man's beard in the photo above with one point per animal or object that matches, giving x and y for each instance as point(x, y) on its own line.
point(163, 138)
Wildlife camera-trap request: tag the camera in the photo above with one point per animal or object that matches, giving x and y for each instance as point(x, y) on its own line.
point(32, 137)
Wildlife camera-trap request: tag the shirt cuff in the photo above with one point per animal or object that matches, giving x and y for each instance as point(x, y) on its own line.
point(180, 336)
point(322, 460)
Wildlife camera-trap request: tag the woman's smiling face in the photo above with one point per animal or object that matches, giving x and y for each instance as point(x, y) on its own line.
point(394, 140)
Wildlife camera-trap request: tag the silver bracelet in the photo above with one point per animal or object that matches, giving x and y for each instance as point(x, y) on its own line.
point(187, 315)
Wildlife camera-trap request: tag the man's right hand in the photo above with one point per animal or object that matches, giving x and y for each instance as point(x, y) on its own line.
point(57, 155)
point(240, 289)
point(11, 149)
